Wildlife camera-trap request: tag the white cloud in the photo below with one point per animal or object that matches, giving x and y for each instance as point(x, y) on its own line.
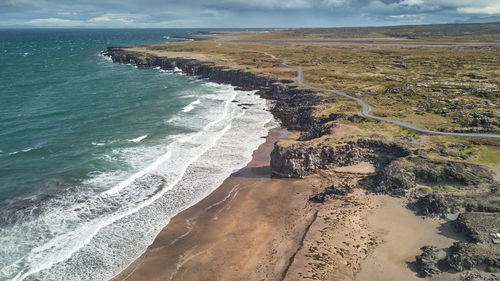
point(279, 4)
point(334, 2)
point(100, 19)
point(117, 18)
point(488, 7)
point(55, 22)
point(405, 16)
point(107, 19)
point(411, 2)
point(408, 18)
point(493, 9)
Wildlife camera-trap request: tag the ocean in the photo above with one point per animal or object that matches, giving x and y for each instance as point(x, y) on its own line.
point(96, 157)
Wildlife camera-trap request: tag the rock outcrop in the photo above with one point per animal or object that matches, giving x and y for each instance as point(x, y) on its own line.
point(426, 263)
point(331, 191)
point(242, 79)
point(404, 173)
point(301, 159)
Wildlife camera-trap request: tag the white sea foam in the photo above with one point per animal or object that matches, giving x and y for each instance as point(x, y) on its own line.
point(138, 139)
point(190, 106)
point(19, 151)
point(96, 236)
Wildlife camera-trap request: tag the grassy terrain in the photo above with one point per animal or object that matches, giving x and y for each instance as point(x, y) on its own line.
point(433, 88)
point(451, 87)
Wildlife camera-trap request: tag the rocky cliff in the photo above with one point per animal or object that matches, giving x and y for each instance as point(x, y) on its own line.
point(293, 107)
point(241, 79)
point(301, 159)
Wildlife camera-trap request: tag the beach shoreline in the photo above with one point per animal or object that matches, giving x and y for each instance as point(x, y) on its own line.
point(287, 236)
point(206, 230)
point(256, 227)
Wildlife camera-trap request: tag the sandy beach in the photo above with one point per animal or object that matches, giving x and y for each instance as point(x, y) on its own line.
point(242, 231)
point(254, 227)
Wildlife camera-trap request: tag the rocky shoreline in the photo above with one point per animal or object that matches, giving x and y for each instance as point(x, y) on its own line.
point(401, 165)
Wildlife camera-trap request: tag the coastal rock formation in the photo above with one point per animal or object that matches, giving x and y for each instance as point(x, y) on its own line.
point(331, 191)
point(479, 227)
point(483, 200)
point(426, 263)
point(241, 79)
point(465, 256)
point(301, 159)
point(404, 173)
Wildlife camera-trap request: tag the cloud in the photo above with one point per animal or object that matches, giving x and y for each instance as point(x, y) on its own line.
point(335, 3)
point(240, 13)
point(100, 19)
point(55, 22)
point(263, 4)
point(117, 18)
point(493, 9)
point(411, 2)
point(489, 7)
point(405, 16)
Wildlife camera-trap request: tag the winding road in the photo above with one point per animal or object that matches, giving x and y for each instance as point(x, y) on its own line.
point(366, 108)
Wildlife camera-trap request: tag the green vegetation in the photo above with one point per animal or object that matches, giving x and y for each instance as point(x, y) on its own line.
point(285, 143)
point(341, 106)
point(486, 154)
point(493, 269)
point(446, 188)
point(433, 88)
point(425, 189)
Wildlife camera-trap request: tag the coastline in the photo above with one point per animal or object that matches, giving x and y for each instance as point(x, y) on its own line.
point(209, 235)
point(327, 241)
point(332, 194)
point(273, 246)
point(256, 227)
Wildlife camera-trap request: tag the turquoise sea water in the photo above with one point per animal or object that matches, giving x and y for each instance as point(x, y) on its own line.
point(95, 157)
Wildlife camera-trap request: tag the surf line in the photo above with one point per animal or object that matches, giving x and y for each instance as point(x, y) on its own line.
point(224, 199)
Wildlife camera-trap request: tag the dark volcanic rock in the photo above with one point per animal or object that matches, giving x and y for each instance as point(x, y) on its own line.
point(465, 256)
point(437, 205)
point(329, 192)
point(301, 159)
point(403, 174)
point(478, 227)
point(477, 276)
point(426, 263)
point(474, 201)
point(241, 79)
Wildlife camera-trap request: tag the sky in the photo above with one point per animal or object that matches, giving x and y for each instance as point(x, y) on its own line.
point(242, 13)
